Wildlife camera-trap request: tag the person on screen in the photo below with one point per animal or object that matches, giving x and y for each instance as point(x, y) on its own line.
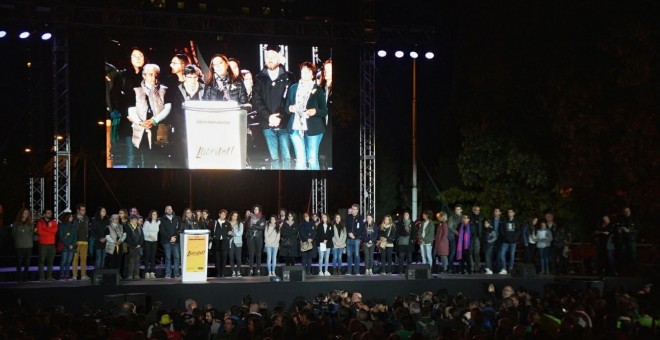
point(123, 97)
point(271, 85)
point(173, 127)
point(150, 108)
point(307, 107)
point(234, 65)
point(248, 82)
point(222, 83)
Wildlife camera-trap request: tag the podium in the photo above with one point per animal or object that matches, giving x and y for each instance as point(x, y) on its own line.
point(194, 255)
point(216, 135)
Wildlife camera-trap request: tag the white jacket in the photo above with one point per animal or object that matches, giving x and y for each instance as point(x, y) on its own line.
point(150, 230)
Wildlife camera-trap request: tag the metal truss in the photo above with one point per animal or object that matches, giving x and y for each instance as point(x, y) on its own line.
point(319, 194)
point(37, 189)
point(62, 139)
point(368, 130)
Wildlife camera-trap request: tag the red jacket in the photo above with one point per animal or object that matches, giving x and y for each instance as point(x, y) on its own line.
point(47, 231)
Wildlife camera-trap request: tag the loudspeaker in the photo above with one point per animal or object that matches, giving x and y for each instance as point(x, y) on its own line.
point(112, 303)
point(524, 270)
point(105, 277)
point(418, 272)
point(293, 273)
point(138, 299)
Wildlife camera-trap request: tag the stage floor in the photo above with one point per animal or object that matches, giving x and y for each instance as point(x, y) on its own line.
point(224, 292)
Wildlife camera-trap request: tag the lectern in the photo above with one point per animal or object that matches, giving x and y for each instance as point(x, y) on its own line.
point(194, 255)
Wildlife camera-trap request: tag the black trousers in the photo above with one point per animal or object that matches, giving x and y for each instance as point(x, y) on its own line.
point(221, 255)
point(255, 247)
point(404, 254)
point(235, 258)
point(150, 256)
point(23, 263)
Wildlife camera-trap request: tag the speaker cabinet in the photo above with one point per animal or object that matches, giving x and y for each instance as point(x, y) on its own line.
point(418, 272)
point(293, 273)
point(105, 277)
point(524, 271)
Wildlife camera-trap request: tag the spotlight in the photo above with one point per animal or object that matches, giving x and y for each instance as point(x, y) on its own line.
point(24, 35)
point(100, 122)
point(414, 55)
point(382, 53)
point(398, 54)
point(429, 55)
point(28, 150)
point(3, 33)
point(46, 36)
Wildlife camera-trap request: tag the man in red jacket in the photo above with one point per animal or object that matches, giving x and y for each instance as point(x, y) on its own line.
point(46, 229)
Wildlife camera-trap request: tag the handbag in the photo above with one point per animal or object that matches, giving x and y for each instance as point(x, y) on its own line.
point(382, 242)
point(305, 246)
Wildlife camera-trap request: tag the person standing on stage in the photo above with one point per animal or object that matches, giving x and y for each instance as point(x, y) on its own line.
point(114, 242)
point(405, 240)
point(135, 242)
point(452, 223)
point(307, 235)
point(168, 232)
point(489, 240)
point(150, 228)
point(355, 230)
point(289, 239)
point(338, 243)
point(441, 246)
point(68, 235)
point(81, 222)
point(510, 233)
point(269, 94)
point(47, 232)
point(98, 224)
point(255, 223)
point(22, 231)
point(324, 235)
point(272, 243)
point(464, 241)
point(426, 236)
point(476, 224)
point(220, 237)
point(387, 235)
point(369, 239)
point(236, 244)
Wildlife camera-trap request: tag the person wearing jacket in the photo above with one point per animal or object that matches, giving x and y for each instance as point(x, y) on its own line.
point(255, 223)
point(324, 235)
point(272, 243)
point(307, 235)
point(269, 95)
point(22, 231)
point(387, 236)
point(354, 223)
point(509, 234)
point(68, 234)
point(168, 233)
point(489, 236)
point(442, 241)
point(369, 239)
point(150, 230)
point(543, 237)
point(97, 228)
point(405, 241)
point(236, 244)
point(81, 222)
point(222, 83)
point(338, 243)
point(307, 110)
point(464, 239)
point(47, 232)
point(426, 235)
point(221, 235)
point(289, 239)
point(114, 239)
point(529, 240)
point(135, 242)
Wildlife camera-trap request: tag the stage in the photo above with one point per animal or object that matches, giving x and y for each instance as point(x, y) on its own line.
point(224, 292)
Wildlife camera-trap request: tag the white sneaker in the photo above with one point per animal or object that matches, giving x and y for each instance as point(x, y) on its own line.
point(84, 278)
point(503, 272)
point(489, 272)
point(327, 273)
point(233, 274)
point(321, 274)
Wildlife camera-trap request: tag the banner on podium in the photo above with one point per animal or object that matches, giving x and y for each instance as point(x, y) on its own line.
point(196, 253)
point(216, 135)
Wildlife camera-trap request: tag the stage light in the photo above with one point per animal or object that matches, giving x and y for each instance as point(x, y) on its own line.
point(46, 36)
point(28, 150)
point(414, 55)
point(24, 35)
point(3, 33)
point(382, 53)
point(60, 137)
point(398, 54)
point(429, 55)
point(100, 122)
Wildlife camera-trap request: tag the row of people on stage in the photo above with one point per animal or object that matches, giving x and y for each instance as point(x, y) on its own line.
point(289, 110)
point(125, 240)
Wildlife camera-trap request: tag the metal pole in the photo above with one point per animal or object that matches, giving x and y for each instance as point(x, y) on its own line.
point(414, 139)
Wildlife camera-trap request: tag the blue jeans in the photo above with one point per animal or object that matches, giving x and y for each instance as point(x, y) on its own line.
point(271, 259)
point(65, 262)
point(100, 258)
point(336, 257)
point(353, 256)
point(278, 145)
point(306, 148)
point(324, 258)
point(427, 256)
point(512, 254)
point(172, 252)
point(544, 254)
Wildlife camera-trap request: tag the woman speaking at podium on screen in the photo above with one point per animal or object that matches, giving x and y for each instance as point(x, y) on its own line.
point(307, 107)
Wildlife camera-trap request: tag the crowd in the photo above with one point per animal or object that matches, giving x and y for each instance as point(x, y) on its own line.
point(560, 312)
point(448, 243)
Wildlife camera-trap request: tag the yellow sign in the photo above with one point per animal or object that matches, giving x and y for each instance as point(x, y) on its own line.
point(195, 253)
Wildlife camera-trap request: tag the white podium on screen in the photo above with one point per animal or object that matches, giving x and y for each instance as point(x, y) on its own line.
point(216, 135)
point(194, 255)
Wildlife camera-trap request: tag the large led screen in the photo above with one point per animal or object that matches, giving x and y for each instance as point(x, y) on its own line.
point(194, 104)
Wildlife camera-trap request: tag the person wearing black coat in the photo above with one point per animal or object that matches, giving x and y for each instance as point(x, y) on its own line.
point(169, 234)
point(220, 238)
point(307, 236)
point(289, 239)
point(324, 234)
point(135, 242)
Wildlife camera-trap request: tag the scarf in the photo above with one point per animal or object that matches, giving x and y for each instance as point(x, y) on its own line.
point(221, 83)
point(303, 93)
point(463, 240)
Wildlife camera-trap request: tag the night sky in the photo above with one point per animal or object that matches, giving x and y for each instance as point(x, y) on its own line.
point(563, 94)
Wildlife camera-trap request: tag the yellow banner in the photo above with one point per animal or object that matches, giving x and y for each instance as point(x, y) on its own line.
point(196, 254)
